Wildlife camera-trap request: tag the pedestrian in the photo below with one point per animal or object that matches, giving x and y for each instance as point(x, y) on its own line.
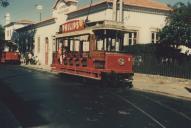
point(29, 58)
point(60, 55)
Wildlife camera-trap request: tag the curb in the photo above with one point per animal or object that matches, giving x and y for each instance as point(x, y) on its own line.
point(164, 94)
point(39, 69)
point(161, 77)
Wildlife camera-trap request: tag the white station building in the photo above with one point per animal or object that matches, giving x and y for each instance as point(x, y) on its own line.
point(143, 19)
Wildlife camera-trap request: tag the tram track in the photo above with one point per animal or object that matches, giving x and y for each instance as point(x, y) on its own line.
point(136, 105)
point(139, 109)
point(166, 106)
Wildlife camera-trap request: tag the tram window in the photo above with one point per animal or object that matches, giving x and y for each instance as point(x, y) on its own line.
point(111, 42)
point(71, 45)
point(126, 36)
point(113, 45)
point(100, 45)
point(86, 46)
point(65, 43)
point(76, 45)
point(60, 44)
point(6, 49)
point(117, 46)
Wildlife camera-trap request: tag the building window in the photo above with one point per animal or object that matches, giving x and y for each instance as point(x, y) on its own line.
point(132, 38)
point(154, 37)
point(38, 45)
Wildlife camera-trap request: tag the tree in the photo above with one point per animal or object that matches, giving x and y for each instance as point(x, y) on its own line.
point(178, 29)
point(2, 33)
point(4, 3)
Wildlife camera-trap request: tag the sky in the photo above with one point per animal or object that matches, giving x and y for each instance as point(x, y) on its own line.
point(25, 9)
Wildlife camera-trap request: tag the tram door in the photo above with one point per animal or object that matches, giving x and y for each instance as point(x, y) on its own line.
point(46, 50)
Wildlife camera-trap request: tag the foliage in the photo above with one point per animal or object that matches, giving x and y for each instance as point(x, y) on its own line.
point(4, 3)
point(178, 28)
point(140, 49)
point(2, 33)
point(24, 38)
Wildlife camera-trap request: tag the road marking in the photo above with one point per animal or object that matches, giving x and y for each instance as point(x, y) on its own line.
point(167, 107)
point(139, 109)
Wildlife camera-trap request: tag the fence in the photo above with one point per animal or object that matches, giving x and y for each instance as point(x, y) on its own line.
point(148, 60)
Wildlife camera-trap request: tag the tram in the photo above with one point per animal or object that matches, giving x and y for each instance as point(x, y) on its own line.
point(9, 53)
point(93, 50)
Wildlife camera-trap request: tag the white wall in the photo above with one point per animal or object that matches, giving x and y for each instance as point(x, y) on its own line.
point(144, 23)
point(59, 13)
point(61, 10)
point(98, 16)
point(43, 32)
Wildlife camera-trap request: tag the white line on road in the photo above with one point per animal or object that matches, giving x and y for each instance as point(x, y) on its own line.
point(139, 109)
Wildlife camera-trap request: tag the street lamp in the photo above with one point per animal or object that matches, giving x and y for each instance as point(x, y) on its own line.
point(39, 8)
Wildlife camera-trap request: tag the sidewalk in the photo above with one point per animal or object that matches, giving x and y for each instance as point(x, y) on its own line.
point(175, 87)
point(169, 86)
point(45, 68)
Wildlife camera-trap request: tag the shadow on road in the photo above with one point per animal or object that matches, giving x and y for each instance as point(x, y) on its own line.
point(90, 83)
point(24, 112)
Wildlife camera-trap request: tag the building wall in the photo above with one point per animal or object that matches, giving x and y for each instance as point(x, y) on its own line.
point(61, 10)
point(10, 29)
point(144, 24)
point(140, 21)
point(97, 16)
point(44, 32)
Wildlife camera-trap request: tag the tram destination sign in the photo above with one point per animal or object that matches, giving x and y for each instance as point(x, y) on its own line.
point(72, 26)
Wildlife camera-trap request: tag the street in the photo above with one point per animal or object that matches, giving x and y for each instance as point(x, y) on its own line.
point(30, 98)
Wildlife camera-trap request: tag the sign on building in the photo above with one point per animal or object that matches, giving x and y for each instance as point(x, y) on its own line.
point(71, 26)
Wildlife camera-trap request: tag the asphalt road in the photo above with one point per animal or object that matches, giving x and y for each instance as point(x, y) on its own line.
point(41, 100)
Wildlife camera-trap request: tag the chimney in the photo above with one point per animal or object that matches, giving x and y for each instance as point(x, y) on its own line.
point(7, 18)
point(114, 10)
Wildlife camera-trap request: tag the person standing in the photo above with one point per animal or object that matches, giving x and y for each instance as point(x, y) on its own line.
point(29, 58)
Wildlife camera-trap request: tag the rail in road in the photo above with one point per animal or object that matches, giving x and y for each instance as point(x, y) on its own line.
point(154, 115)
point(38, 99)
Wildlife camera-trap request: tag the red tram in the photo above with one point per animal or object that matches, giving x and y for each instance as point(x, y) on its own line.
point(9, 53)
point(93, 50)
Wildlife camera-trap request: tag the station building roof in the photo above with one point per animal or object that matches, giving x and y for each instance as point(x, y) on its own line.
point(150, 4)
point(24, 22)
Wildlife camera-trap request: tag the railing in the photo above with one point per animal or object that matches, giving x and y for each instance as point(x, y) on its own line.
point(162, 60)
point(150, 65)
